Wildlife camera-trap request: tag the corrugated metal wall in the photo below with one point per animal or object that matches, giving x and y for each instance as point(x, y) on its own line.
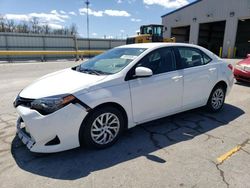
point(206, 11)
point(20, 41)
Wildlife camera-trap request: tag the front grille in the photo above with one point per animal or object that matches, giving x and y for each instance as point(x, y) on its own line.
point(23, 102)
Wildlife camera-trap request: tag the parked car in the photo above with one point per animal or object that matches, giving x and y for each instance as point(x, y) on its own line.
point(93, 103)
point(242, 70)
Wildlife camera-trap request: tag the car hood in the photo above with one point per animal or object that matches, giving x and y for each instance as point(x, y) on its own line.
point(60, 82)
point(245, 62)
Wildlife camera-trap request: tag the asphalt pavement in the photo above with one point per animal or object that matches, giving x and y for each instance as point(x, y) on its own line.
point(190, 149)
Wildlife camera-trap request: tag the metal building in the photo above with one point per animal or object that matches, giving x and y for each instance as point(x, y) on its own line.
point(222, 26)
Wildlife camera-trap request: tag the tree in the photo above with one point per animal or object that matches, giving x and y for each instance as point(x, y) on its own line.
point(58, 31)
point(46, 29)
point(19, 28)
point(11, 26)
point(34, 25)
point(25, 27)
point(2, 24)
point(73, 29)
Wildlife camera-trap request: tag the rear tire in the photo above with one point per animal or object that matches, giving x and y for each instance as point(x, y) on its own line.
point(216, 99)
point(102, 128)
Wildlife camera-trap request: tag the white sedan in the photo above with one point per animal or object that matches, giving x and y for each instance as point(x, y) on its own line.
point(93, 103)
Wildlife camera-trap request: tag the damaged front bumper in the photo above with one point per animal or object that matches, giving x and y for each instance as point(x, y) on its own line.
point(23, 135)
point(55, 132)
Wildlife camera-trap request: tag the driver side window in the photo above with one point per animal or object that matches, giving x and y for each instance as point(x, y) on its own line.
point(159, 61)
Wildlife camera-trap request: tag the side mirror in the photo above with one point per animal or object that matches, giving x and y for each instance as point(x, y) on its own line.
point(143, 72)
point(248, 55)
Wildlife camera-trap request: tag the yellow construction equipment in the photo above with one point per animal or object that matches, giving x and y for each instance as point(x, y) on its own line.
point(149, 33)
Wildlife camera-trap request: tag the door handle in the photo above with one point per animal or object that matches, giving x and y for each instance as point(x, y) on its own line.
point(212, 69)
point(176, 78)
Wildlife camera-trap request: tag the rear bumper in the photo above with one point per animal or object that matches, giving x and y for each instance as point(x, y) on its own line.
point(242, 75)
point(37, 131)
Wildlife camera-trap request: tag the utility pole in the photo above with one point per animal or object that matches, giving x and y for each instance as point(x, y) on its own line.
point(87, 5)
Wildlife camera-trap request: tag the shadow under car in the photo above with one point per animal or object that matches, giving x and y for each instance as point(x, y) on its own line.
point(136, 142)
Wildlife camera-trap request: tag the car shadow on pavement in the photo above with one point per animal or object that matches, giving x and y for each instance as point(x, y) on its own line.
point(247, 84)
point(140, 141)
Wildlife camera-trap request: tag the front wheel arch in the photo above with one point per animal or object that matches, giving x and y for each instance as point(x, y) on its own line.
point(108, 104)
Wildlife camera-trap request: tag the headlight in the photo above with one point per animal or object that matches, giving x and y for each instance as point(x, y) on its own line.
point(51, 104)
point(247, 68)
point(238, 66)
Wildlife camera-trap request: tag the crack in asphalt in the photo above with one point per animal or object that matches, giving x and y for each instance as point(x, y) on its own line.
point(238, 148)
point(213, 118)
point(243, 144)
point(198, 128)
point(222, 173)
point(247, 152)
point(197, 123)
point(173, 120)
point(153, 140)
point(209, 136)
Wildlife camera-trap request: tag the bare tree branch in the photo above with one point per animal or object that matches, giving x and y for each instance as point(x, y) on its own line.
point(34, 26)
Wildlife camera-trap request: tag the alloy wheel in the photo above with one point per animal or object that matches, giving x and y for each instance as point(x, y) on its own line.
point(105, 128)
point(217, 98)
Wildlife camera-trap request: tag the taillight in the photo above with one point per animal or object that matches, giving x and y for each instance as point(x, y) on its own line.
point(230, 67)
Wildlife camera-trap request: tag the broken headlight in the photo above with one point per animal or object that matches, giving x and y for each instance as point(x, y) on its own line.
point(51, 104)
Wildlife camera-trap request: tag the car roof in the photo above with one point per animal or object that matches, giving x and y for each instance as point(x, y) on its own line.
point(156, 44)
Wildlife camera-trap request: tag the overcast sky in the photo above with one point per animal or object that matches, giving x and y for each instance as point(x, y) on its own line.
point(113, 18)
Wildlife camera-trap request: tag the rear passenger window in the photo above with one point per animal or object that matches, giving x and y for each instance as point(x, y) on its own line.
point(191, 57)
point(206, 58)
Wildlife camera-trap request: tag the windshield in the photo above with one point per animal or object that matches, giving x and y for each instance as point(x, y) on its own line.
point(111, 61)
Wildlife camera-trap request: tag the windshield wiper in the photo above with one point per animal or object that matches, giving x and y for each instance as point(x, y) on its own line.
point(90, 71)
point(101, 72)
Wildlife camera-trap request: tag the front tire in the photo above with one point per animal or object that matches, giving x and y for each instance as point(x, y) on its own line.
point(102, 128)
point(216, 99)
